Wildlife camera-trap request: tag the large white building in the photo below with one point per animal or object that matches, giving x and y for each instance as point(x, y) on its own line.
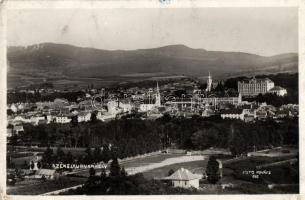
point(253, 87)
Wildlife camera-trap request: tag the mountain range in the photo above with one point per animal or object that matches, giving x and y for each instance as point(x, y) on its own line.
point(62, 60)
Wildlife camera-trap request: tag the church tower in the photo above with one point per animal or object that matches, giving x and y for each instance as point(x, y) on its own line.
point(158, 96)
point(209, 83)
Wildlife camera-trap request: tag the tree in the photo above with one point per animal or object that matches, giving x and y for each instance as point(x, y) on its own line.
point(60, 155)
point(103, 174)
point(212, 170)
point(237, 141)
point(69, 157)
point(88, 158)
point(92, 171)
point(93, 118)
point(32, 165)
point(9, 112)
point(25, 165)
point(123, 172)
point(106, 154)
point(74, 120)
point(47, 158)
point(220, 87)
point(39, 165)
point(170, 172)
point(97, 154)
point(205, 138)
point(43, 178)
point(115, 168)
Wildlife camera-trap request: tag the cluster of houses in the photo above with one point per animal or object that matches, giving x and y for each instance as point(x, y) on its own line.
point(153, 103)
point(61, 111)
point(262, 111)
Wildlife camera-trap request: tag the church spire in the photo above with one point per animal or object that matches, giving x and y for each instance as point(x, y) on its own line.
point(209, 83)
point(158, 97)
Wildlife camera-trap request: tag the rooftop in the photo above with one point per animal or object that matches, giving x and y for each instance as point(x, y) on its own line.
point(183, 174)
point(256, 80)
point(276, 88)
point(232, 111)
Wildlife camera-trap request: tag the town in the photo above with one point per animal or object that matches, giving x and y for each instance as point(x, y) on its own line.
point(176, 99)
point(89, 126)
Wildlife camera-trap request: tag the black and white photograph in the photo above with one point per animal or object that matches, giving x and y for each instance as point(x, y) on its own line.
point(152, 101)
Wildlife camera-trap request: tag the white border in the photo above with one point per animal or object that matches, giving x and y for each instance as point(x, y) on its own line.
point(110, 4)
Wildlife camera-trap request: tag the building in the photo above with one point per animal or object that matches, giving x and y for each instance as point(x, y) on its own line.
point(279, 91)
point(35, 119)
point(146, 107)
point(249, 118)
point(283, 114)
point(126, 106)
point(232, 114)
point(184, 178)
point(207, 112)
point(261, 114)
point(17, 129)
point(83, 116)
point(105, 117)
point(234, 100)
point(62, 119)
point(20, 119)
point(14, 108)
point(9, 132)
point(253, 87)
point(113, 107)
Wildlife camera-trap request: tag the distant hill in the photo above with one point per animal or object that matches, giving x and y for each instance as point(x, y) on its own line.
point(61, 60)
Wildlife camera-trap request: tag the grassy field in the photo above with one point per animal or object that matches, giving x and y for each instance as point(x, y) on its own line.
point(36, 187)
point(148, 160)
point(195, 167)
point(251, 162)
point(20, 160)
point(137, 162)
point(279, 174)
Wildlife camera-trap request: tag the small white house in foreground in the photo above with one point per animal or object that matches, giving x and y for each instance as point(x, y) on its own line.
point(184, 178)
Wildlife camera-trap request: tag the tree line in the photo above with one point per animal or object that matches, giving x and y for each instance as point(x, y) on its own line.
point(131, 137)
point(18, 97)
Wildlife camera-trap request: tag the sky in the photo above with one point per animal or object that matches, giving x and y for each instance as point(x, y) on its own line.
point(262, 31)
